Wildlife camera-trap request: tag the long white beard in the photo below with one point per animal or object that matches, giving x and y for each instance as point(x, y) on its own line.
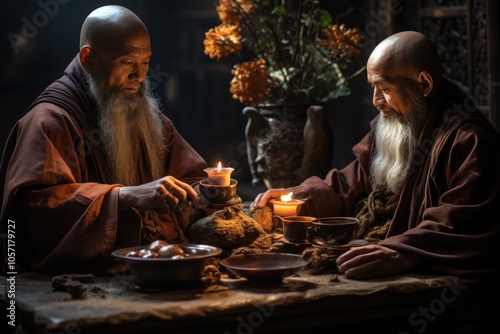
point(396, 139)
point(394, 148)
point(131, 131)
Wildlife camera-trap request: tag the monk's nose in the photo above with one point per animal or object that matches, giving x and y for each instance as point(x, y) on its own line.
point(378, 97)
point(139, 72)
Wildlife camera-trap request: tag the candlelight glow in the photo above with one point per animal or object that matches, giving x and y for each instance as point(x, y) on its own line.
point(287, 198)
point(287, 206)
point(219, 175)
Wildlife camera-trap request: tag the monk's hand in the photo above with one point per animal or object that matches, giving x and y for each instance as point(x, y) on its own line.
point(263, 198)
point(163, 195)
point(372, 261)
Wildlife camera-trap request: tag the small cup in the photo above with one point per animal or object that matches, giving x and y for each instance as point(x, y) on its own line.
point(332, 231)
point(295, 228)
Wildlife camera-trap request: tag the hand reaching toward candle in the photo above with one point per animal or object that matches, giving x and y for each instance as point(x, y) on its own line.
point(163, 195)
point(262, 199)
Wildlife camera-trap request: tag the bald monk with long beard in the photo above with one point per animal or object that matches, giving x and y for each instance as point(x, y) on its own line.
point(425, 182)
point(94, 165)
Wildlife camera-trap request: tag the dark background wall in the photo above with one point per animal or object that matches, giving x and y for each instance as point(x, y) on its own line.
point(192, 87)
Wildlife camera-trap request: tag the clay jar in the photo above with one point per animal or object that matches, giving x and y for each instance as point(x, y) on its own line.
point(295, 228)
point(332, 231)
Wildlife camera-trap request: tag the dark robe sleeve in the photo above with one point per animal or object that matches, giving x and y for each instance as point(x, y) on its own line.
point(459, 231)
point(69, 218)
point(66, 219)
point(341, 190)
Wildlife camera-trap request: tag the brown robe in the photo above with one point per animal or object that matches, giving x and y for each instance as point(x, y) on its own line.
point(449, 209)
point(56, 189)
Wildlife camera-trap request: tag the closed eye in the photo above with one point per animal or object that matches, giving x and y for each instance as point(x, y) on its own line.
point(383, 90)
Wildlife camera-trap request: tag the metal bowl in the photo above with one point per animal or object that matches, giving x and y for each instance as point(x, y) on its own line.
point(264, 267)
point(218, 194)
point(159, 273)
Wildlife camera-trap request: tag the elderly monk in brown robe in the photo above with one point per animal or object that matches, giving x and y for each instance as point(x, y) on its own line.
point(425, 181)
point(94, 165)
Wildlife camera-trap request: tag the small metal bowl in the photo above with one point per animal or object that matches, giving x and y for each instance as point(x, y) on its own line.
point(160, 273)
point(218, 194)
point(264, 267)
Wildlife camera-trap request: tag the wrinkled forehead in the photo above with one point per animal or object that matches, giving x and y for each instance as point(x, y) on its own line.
point(138, 43)
point(114, 44)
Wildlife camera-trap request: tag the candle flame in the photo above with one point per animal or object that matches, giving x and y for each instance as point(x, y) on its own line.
point(219, 167)
point(287, 198)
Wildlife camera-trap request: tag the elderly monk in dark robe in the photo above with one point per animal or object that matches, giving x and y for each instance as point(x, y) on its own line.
point(94, 166)
point(425, 181)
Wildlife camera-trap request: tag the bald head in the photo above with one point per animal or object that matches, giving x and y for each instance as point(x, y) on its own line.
point(407, 54)
point(108, 26)
point(115, 48)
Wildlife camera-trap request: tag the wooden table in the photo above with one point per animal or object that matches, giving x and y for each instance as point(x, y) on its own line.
point(327, 303)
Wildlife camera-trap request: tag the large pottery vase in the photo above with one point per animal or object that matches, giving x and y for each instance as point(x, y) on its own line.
point(287, 144)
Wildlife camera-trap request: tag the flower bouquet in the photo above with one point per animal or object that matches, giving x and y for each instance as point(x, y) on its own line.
point(287, 51)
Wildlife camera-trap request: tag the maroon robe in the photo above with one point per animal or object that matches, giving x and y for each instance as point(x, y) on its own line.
point(448, 211)
point(56, 188)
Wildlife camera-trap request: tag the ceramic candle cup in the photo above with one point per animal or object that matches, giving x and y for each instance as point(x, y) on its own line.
point(332, 231)
point(286, 208)
point(219, 176)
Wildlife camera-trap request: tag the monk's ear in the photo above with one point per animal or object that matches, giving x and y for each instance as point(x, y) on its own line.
point(426, 82)
point(86, 58)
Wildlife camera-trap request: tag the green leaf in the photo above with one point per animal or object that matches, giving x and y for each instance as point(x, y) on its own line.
point(324, 18)
point(278, 10)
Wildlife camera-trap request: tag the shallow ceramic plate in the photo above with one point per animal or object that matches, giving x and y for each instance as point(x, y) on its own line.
point(264, 267)
point(158, 273)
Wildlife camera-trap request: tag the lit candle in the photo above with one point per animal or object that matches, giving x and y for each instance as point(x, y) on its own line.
point(287, 206)
point(219, 175)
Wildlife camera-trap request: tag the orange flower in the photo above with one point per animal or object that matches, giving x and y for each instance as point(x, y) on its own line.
point(230, 11)
point(345, 42)
point(250, 83)
point(222, 40)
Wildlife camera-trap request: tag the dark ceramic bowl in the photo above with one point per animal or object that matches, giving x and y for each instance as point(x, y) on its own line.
point(159, 273)
point(332, 231)
point(264, 267)
point(218, 194)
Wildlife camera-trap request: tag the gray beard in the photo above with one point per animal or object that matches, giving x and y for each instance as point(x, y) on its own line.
point(396, 138)
point(131, 130)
